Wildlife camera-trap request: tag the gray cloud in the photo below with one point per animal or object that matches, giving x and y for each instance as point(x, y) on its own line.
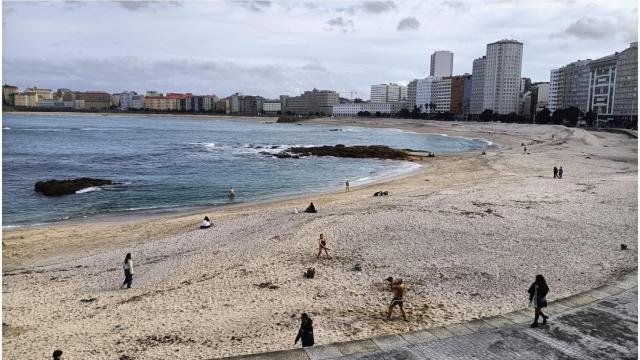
point(408, 23)
point(340, 24)
point(314, 66)
point(142, 5)
point(457, 5)
point(589, 28)
point(378, 7)
point(255, 5)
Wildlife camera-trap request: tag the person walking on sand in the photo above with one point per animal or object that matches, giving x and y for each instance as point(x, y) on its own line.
point(57, 355)
point(560, 173)
point(538, 297)
point(525, 149)
point(398, 288)
point(555, 172)
point(322, 245)
point(346, 186)
point(306, 331)
point(128, 271)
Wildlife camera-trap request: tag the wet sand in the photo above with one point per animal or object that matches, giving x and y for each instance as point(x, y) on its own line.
point(467, 233)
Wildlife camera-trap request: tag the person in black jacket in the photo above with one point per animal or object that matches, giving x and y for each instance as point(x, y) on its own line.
point(306, 331)
point(538, 296)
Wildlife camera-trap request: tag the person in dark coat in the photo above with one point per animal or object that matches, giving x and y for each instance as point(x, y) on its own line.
point(57, 355)
point(311, 208)
point(306, 331)
point(538, 297)
point(555, 172)
point(560, 173)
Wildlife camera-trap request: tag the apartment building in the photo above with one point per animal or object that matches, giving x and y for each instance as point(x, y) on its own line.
point(8, 92)
point(313, 102)
point(476, 105)
point(503, 76)
point(441, 64)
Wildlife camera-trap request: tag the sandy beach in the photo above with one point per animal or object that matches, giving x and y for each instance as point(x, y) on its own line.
point(467, 233)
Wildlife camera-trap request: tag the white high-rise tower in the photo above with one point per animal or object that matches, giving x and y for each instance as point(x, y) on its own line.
point(502, 76)
point(441, 64)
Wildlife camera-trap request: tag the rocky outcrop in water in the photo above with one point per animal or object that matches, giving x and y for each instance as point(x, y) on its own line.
point(70, 186)
point(358, 151)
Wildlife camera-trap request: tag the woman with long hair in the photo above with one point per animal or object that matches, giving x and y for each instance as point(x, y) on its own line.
point(538, 297)
point(128, 271)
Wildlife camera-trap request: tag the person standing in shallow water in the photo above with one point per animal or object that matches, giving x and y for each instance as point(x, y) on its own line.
point(306, 331)
point(128, 271)
point(538, 297)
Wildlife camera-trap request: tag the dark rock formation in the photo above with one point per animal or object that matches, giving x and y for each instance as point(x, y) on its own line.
point(358, 151)
point(64, 187)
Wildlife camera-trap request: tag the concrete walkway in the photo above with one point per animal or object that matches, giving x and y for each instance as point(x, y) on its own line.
point(598, 324)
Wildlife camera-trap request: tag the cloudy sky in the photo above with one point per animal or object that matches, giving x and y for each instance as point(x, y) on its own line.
point(285, 47)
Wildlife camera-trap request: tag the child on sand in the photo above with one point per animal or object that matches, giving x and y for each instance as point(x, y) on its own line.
point(398, 288)
point(128, 271)
point(323, 246)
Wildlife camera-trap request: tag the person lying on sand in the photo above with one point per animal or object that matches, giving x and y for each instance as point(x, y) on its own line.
point(397, 287)
point(323, 246)
point(206, 223)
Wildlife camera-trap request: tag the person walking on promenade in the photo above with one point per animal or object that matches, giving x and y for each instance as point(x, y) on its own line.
point(346, 186)
point(322, 245)
point(128, 271)
point(538, 297)
point(398, 288)
point(555, 172)
point(560, 173)
point(57, 355)
point(306, 331)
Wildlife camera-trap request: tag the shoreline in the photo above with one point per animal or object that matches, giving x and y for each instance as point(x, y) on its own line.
point(467, 233)
point(118, 114)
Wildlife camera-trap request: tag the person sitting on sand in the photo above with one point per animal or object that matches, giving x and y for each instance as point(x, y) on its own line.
point(538, 297)
point(311, 208)
point(57, 355)
point(560, 173)
point(555, 172)
point(322, 245)
point(398, 288)
point(128, 271)
point(306, 331)
point(346, 186)
point(206, 223)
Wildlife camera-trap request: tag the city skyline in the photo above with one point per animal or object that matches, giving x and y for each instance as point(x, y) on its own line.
point(209, 48)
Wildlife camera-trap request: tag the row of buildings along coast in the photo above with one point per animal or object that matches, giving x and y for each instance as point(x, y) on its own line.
point(607, 87)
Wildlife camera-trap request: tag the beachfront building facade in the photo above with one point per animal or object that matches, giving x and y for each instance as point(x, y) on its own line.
point(318, 102)
point(27, 99)
point(423, 93)
point(503, 76)
point(51, 104)
point(412, 89)
point(441, 64)
point(459, 99)
point(626, 83)
point(8, 92)
point(602, 85)
point(271, 107)
point(556, 89)
point(95, 100)
point(476, 105)
point(384, 93)
point(441, 95)
point(42, 93)
point(353, 109)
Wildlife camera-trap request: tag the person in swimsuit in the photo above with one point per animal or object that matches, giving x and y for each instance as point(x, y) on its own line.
point(398, 288)
point(323, 246)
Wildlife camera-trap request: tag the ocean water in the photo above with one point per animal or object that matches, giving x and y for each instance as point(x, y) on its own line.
point(168, 163)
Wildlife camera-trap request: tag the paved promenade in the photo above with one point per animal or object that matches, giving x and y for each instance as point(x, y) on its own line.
point(598, 324)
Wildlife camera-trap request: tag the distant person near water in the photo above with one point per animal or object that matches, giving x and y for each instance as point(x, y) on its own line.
point(560, 173)
point(538, 297)
point(206, 223)
point(311, 208)
point(525, 149)
point(57, 355)
point(397, 286)
point(346, 186)
point(232, 193)
point(322, 245)
point(128, 271)
point(306, 331)
point(555, 172)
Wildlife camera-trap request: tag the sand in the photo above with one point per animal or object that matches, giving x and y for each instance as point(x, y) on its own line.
point(466, 232)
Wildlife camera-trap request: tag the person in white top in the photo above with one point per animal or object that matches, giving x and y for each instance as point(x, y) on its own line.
point(128, 271)
point(206, 223)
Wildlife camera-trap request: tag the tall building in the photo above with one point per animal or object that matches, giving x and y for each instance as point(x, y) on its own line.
point(557, 82)
point(313, 102)
point(466, 97)
point(476, 105)
point(423, 93)
point(441, 95)
point(384, 93)
point(539, 97)
point(503, 76)
point(626, 89)
point(403, 93)
point(126, 98)
point(441, 64)
point(7, 94)
point(525, 84)
point(602, 85)
point(411, 93)
point(457, 93)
